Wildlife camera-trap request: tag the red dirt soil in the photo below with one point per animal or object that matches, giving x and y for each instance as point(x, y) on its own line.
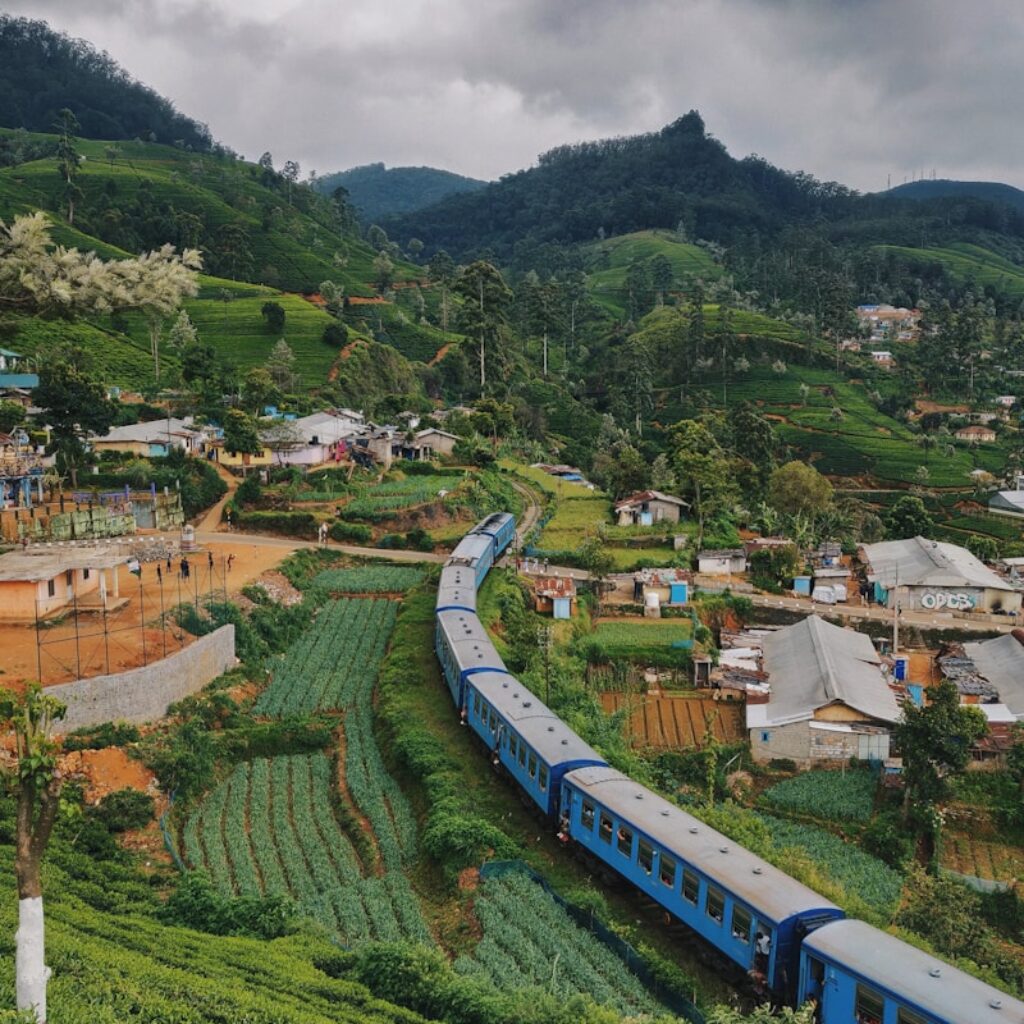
point(106, 771)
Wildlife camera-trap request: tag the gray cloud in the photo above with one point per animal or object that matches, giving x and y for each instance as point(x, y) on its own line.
point(847, 89)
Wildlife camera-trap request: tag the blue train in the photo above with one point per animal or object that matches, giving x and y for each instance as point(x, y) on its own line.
point(800, 944)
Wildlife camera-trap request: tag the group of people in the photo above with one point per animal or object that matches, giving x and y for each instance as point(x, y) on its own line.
point(185, 567)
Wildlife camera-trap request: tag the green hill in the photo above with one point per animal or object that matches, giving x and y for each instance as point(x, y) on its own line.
point(967, 263)
point(376, 191)
point(608, 261)
point(989, 191)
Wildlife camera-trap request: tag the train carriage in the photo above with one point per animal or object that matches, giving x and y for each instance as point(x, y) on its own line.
point(745, 907)
point(501, 527)
point(456, 589)
point(476, 552)
point(858, 973)
point(463, 648)
point(529, 740)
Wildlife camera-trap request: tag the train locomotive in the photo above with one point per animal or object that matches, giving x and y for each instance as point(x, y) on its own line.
point(798, 945)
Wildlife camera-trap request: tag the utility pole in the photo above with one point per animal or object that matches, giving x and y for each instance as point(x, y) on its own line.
point(544, 638)
point(483, 374)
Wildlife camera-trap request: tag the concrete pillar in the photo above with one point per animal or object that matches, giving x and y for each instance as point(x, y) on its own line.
point(103, 588)
point(117, 591)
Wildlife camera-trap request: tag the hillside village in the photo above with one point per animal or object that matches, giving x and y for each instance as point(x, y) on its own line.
point(597, 594)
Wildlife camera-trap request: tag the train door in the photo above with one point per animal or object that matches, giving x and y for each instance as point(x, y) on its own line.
point(814, 985)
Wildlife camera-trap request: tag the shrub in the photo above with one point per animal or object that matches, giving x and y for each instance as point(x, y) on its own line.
point(357, 533)
point(196, 904)
point(292, 524)
point(109, 734)
point(125, 809)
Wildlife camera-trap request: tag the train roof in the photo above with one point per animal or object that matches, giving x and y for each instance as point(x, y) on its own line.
point(457, 586)
point(469, 641)
point(536, 723)
point(470, 548)
point(492, 523)
point(760, 885)
point(936, 987)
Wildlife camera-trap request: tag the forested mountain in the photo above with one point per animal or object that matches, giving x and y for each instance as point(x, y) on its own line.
point(991, 191)
point(376, 191)
point(43, 71)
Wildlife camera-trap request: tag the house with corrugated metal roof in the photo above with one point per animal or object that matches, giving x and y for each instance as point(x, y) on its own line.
point(829, 697)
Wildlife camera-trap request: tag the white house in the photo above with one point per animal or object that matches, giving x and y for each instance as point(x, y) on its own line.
point(727, 562)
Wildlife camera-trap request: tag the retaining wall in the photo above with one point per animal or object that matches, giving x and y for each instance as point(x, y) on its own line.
point(143, 694)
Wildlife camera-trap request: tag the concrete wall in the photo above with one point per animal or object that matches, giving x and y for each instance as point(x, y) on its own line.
point(143, 694)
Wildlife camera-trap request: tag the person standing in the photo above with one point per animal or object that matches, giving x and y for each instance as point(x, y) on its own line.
point(159, 575)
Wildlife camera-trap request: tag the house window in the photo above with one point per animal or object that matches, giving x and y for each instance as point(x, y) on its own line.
point(51, 588)
point(625, 841)
point(741, 922)
point(605, 828)
point(533, 766)
point(85, 574)
point(542, 779)
point(765, 736)
point(69, 577)
point(667, 870)
point(587, 815)
point(645, 856)
point(716, 904)
point(691, 886)
point(870, 1006)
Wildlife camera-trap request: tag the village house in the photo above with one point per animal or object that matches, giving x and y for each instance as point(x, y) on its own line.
point(39, 582)
point(723, 562)
point(13, 373)
point(936, 577)
point(889, 323)
point(646, 508)
point(882, 358)
point(152, 439)
point(555, 596)
point(975, 434)
point(1007, 503)
point(427, 444)
point(828, 697)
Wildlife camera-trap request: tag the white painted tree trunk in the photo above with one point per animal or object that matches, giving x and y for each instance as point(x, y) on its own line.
point(30, 969)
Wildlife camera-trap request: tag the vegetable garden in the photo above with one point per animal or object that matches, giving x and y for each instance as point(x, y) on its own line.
point(323, 667)
point(846, 796)
point(529, 940)
point(370, 579)
point(268, 829)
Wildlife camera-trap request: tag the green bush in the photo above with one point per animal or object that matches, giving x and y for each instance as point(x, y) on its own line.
point(109, 734)
point(125, 809)
point(196, 904)
point(356, 533)
point(292, 524)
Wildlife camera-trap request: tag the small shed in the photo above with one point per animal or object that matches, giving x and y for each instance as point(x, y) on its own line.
point(976, 434)
point(722, 562)
point(432, 442)
point(645, 508)
point(671, 585)
point(555, 594)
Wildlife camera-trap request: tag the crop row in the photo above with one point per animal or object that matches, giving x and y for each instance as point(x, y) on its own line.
point(370, 579)
point(269, 828)
point(846, 796)
point(526, 932)
point(323, 667)
point(857, 872)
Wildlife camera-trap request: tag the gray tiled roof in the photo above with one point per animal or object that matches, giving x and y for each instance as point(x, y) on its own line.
point(918, 561)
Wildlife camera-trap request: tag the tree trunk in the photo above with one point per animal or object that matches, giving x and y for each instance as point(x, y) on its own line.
point(31, 972)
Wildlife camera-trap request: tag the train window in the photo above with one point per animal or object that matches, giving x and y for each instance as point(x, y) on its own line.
point(587, 815)
point(476, 704)
point(533, 766)
point(691, 886)
point(625, 840)
point(716, 904)
point(522, 754)
point(645, 856)
point(605, 828)
point(741, 922)
point(870, 1006)
point(905, 1016)
point(513, 743)
point(542, 779)
point(667, 872)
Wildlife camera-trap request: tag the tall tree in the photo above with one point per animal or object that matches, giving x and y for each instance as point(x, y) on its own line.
point(241, 433)
point(36, 784)
point(74, 404)
point(935, 741)
point(797, 488)
point(68, 159)
point(281, 366)
point(484, 311)
point(704, 471)
point(441, 269)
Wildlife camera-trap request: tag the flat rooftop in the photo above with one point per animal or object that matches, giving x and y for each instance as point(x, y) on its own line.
point(36, 564)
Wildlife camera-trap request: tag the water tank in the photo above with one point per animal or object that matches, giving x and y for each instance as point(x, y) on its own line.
point(652, 599)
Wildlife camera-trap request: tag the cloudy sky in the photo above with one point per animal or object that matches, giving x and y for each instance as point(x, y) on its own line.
point(852, 90)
